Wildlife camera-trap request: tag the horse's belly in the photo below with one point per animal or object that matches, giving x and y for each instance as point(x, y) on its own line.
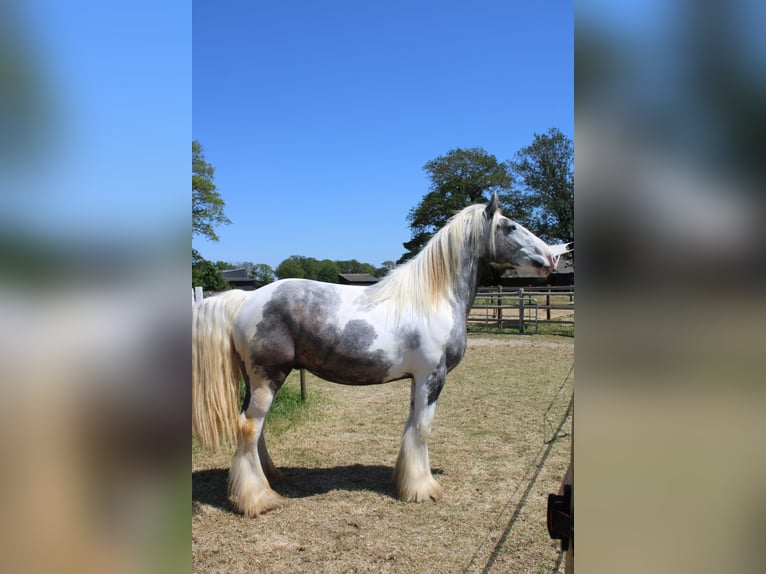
point(348, 356)
point(371, 368)
point(350, 376)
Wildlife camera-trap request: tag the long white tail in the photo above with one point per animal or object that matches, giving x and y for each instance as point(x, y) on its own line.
point(215, 370)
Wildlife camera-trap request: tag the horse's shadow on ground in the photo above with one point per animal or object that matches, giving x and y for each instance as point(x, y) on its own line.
point(209, 486)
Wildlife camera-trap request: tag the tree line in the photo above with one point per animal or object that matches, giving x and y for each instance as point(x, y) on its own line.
point(535, 188)
point(209, 274)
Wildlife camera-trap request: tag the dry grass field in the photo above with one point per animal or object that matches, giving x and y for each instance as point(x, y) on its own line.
point(500, 444)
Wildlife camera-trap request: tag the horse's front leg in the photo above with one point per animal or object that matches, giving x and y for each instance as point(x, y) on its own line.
point(412, 474)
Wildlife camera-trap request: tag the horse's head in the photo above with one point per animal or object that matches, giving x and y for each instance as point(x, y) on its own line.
point(515, 245)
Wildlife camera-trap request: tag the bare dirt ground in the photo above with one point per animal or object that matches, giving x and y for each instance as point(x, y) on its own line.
point(500, 444)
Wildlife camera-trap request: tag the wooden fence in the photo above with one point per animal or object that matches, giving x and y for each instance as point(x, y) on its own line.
point(524, 309)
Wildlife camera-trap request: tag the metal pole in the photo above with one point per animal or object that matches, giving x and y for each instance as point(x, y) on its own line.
point(521, 310)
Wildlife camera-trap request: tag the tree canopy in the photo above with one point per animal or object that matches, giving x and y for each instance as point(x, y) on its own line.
point(542, 195)
point(207, 203)
point(458, 179)
point(207, 274)
point(325, 270)
point(207, 213)
point(262, 273)
point(536, 189)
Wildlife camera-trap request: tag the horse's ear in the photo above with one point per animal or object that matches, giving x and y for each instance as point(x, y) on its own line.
point(489, 211)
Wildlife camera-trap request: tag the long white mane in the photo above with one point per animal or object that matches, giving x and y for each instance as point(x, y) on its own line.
point(427, 281)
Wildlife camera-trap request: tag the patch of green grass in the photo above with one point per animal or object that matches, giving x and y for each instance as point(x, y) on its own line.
point(559, 329)
point(288, 409)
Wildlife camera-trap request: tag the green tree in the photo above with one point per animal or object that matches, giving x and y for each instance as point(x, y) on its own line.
point(310, 267)
point(207, 203)
point(290, 267)
point(384, 268)
point(206, 274)
point(542, 197)
point(262, 273)
point(354, 266)
point(327, 271)
point(458, 179)
point(225, 265)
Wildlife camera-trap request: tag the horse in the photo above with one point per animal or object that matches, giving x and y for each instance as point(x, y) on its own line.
point(409, 325)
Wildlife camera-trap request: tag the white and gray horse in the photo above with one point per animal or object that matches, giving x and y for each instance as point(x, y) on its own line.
point(412, 324)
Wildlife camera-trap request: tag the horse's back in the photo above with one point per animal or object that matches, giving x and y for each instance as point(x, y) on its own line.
point(295, 299)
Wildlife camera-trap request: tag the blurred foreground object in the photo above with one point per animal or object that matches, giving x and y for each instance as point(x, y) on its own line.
point(94, 412)
point(94, 136)
point(669, 210)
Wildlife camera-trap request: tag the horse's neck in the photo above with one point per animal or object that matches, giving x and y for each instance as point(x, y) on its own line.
point(465, 284)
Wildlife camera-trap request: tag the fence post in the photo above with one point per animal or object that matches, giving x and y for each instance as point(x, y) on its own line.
point(500, 307)
point(548, 304)
point(198, 295)
point(521, 310)
point(488, 300)
point(303, 385)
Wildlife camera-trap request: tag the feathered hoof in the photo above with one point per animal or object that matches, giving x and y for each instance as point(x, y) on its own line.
point(253, 505)
point(422, 491)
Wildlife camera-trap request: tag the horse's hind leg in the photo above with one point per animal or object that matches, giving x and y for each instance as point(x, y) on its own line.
point(249, 488)
point(274, 475)
point(412, 473)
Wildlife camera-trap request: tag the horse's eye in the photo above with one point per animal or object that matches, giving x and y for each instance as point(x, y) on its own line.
point(511, 227)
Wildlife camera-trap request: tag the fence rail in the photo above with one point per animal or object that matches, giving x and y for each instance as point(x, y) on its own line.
point(498, 309)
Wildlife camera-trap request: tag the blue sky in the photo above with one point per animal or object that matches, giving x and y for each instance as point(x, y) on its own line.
point(114, 80)
point(319, 116)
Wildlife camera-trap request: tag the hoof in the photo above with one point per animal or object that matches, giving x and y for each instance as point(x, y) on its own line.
point(258, 504)
point(422, 491)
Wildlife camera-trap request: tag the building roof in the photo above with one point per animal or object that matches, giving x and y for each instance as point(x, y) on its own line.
point(565, 266)
point(236, 275)
point(357, 278)
point(239, 279)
